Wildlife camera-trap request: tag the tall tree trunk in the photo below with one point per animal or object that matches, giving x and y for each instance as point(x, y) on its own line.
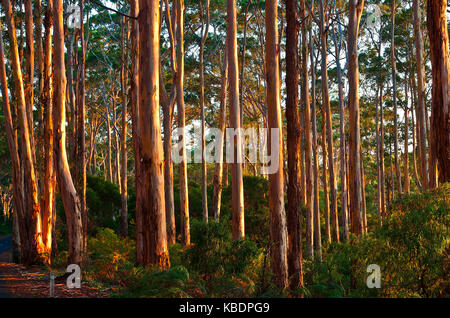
point(219, 168)
point(237, 196)
point(244, 47)
point(315, 164)
point(49, 174)
point(29, 71)
point(326, 105)
point(150, 143)
point(363, 193)
point(31, 247)
point(421, 126)
point(19, 217)
point(440, 124)
point(378, 157)
point(204, 33)
point(109, 172)
point(276, 180)
point(81, 131)
point(325, 179)
point(134, 101)
point(69, 195)
point(184, 199)
point(295, 262)
point(124, 152)
point(394, 99)
point(168, 104)
point(406, 182)
point(342, 152)
point(355, 12)
point(382, 167)
point(307, 128)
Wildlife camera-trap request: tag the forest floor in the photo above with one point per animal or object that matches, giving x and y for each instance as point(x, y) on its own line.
point(18, 281)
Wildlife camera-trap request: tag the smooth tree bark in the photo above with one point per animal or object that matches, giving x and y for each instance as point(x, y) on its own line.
point(81, 129)
point(237, 186)
point(134, 101)
point(219, 167)
point(49, 170)
point(276, 180)
point(70, 199)
point(342, 143)
point(295, 261)
point(440, 124)
point(394, 99)
point(32, 244)
point(355, 12)
point(326, 104)
point(19, 217)
point(204, 34)
point(29, 71)
point(325, 179)
point(168, 104)
point(421, 126)
point(315, 162)
point(123, 143)
point(309, 253)
point(151, 184)
point(406, 180)
point(184, 199)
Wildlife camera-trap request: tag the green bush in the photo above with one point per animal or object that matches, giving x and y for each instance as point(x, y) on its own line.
point(411, 248)
point(110, 257)
point(104, 202)
point(170, 283)
point(213, 251)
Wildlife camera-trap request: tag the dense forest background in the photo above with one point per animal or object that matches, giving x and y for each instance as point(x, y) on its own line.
point(93, 91)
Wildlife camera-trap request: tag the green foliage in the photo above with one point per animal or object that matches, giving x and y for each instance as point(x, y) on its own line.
point(103, 201)
point(411, 248)
point(173, 282)
point(256, 203)
point(110, 256)
point(214, 253)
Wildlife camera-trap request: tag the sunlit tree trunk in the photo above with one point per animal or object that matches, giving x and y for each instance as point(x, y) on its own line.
point(29, 71)
point(325, 179)
point(69, 195)
point(49, 172)
point(151, 185)
point(276, 180)
point(81, 131)
point(326, 105)
point(406, 182)
point(134, 101)
point(440, 124)
point(184, 199)
point(378, 157)
point(342, 152)
point(309, 253)
point(295, 261)
point(124, 152)
point(394, 99)
point(219, 168)
point(168, 104)
point(315, 164)
point(421, 126)
point(204, 34)
point(32, 242)
point(19, 217)
point(355, 12)
point(237, 191)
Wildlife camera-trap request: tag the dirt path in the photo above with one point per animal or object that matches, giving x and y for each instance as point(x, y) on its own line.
point(17, 281)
